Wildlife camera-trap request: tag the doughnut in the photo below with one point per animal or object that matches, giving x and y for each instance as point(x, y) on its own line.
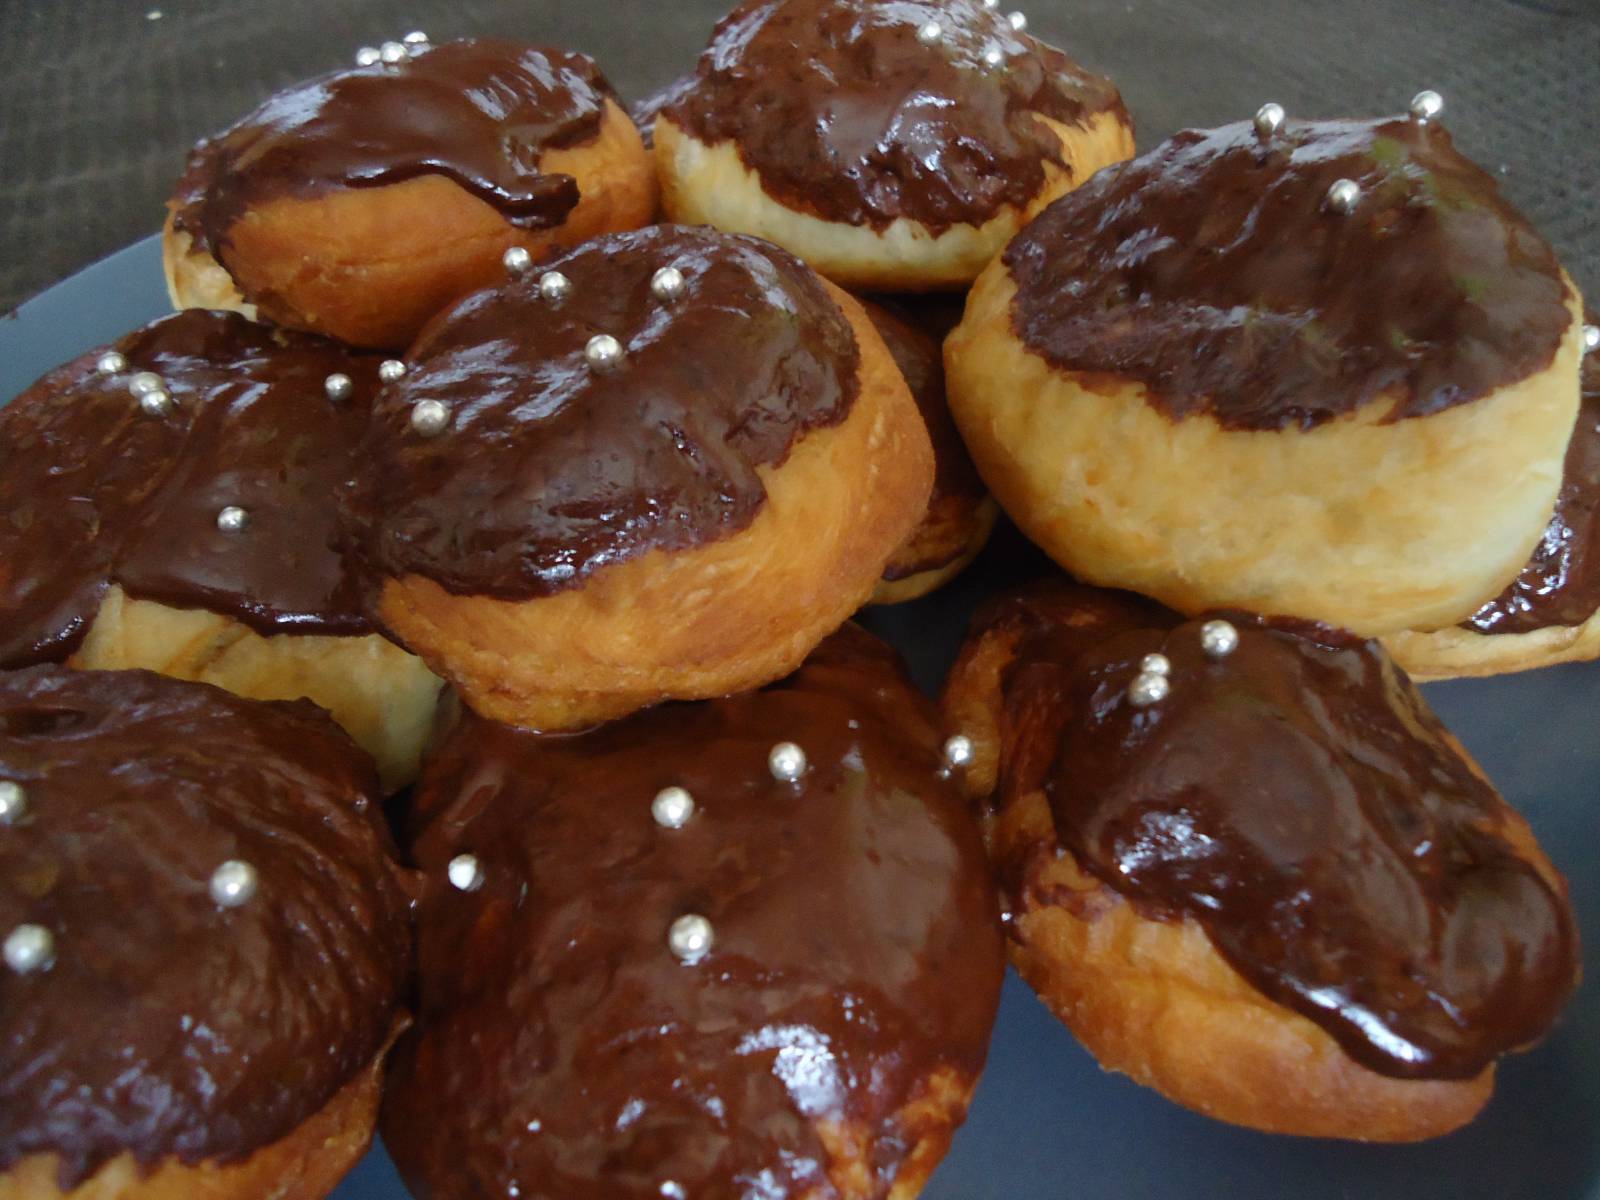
point(960, 513)
point(1550, 613)
point(360, 203)
point(664, 468)
point(732, 948)
point(1319, 369)
point(894, 147)
point(205, 942)
point(1245, 864)
point(168, 502)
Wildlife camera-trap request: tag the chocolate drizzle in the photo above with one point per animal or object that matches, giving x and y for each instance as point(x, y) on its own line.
point(1300, 802)
point(169, 1027)
point(563, 1048)
point(843, 112)
point(1211, 271)
point(479, 112)
point(94, 491)
point(550, 469)
point(1561, 583)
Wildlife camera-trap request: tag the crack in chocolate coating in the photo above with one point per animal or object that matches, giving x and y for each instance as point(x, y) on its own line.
point(1300, 802)
point(94, 491)
point(479, 112)
point(562, 1047)
point(1561, 583)
point(550, 469)
point(169, 1027)
point(1211, 272)
point(913, 328)
point(843, 112)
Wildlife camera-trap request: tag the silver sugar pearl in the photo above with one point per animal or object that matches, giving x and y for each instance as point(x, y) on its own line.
point(1155, 664)
point(930, 33)
point(368, 56)
point(157, 403)
point(110, 363)
point(991, 5)
point(787, 762)
point(667, 284)
point(1269, 118)
point(465, 873)
point(554, 286)
point(957, 750)
point(517, 260)
point(1017, 21)
point(1343, 196)
point(1591, 338)
point(391, 370)
point(232, 519)
point(690, 937)
point(1426, 105)
point(13, 802)
point(1218, 638)
point(415, 38)
point(393, 52)
point(338, 386)
point(146, 382)
point(430, 417)
point(1147, 689)
point(993, 56)
point(233, 883)
point(30, 948)
point(603, 351)
point(673, 1190)
point(672, 807)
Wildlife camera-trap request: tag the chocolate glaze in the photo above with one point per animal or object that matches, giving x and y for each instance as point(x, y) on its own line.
point(913, 332)
point(1299, 801)
point(550, 469)
point(93, 491)
point(844, 113)
point(169, 1027)
point(644, 112)
point(1561, 583)
point(560, 1045)
point(1211, 272)
point(480, 112)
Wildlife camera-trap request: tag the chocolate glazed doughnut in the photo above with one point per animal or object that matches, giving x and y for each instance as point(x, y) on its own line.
point(1247, 865)
point(665, 467)
point(744, 946)
point(360, 203)
point(1548, 613)
point(1319, 368)
point(166, 505)
point(895, 146)
point(961, 513)
point(205, 942)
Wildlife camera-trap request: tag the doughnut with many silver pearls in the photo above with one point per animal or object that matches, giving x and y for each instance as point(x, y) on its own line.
point(691, 937)
point(13, 802)
point(1218, 638)
point(233, 883)
point(672, 807)
point(465, 873)
point(30, 948)
point(787, 762)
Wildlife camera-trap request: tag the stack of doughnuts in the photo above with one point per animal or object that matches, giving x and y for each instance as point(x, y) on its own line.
point(706, 902)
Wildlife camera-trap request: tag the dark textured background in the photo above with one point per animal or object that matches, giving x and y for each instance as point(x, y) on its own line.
point(98, 102)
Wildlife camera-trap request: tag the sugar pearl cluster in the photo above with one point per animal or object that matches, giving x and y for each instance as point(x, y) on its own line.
point(1153, 683)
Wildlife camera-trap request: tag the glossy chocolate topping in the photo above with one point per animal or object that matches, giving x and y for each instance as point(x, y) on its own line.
point(550, 468)
point(1561, 583)
point(1298, 800)
point(1212, 271)
point(913, 330)
point(168, 1026)
point(644, 112)
point(479, 112)
point(562, 1048)
point(845, 112)
point(95, 491)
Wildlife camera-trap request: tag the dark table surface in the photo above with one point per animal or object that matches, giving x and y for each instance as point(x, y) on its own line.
point(100, 99)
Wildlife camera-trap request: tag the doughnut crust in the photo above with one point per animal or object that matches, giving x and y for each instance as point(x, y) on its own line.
point(370, 264)
point(826, 1041)
point(1147, 439)
point(1153, 996)
point(884, 159)
point(685, 609)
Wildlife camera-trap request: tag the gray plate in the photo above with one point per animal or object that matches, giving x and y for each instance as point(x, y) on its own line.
point(1047, 1123)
